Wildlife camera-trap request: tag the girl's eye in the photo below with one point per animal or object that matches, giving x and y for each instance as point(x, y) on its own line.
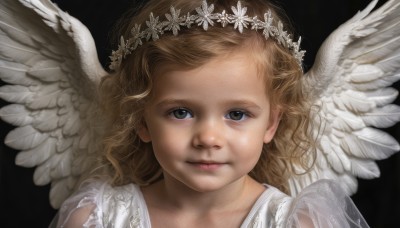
point(181, 113)
point(236, 115)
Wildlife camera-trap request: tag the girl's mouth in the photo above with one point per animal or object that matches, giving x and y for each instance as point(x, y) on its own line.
point(206, 165)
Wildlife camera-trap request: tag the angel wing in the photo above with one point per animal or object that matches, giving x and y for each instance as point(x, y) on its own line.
point(49, 62)
point(350, 87)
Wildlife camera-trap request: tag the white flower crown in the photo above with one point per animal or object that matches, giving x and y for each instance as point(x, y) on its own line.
point(204, 17)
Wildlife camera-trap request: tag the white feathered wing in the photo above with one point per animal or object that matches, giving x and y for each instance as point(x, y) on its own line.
point(49, 61)
point(350, 88)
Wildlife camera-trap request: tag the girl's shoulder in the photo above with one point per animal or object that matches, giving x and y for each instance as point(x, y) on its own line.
point(98, 204)
point(322, 204)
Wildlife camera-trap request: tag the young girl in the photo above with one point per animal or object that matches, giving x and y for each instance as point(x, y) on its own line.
point(206, 124)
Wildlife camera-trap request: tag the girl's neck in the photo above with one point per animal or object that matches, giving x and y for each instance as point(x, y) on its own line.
point(173, 195)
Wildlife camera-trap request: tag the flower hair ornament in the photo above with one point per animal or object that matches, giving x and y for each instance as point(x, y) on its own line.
point(205, 18)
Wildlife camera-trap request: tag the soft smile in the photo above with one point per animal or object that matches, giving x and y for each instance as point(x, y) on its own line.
point(206, 165)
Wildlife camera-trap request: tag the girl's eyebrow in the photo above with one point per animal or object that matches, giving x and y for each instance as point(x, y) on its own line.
point(172, 101)
point(241, 103)
point(244, 103)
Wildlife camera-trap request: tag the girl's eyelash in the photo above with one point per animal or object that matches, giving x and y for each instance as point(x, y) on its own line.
point(179, 113)
point(244, 111)
point(173, 111)
point(243, 114)
point(170, 110)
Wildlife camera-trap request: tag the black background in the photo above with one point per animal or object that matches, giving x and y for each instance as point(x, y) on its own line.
point(26, 205)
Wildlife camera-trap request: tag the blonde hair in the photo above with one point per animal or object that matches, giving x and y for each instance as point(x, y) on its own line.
point(125, 92)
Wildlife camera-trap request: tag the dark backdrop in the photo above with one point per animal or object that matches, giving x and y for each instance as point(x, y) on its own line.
point(26, 205)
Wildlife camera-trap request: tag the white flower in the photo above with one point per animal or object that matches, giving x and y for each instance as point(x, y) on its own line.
point(281, 35)
point(269, 29)
point(298, 54)
point(117, 56)
point(256, 24)
point(188, 20)
point(173, 20)
point(205, 15)
point(136, 38)
point(240, 18)
point(223, 18)
point(154, 28)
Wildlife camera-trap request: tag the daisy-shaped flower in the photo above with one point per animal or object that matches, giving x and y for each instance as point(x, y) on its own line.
point(115, 62)
point(188, 20)
point(240, 18)
point(205, 15)
point(123, 48)
point(117, 56)
point(282, 36)
point(154, 28)
point(174, 20)
point(223, 18)
point(298, 54)
point(269, 29)
point(256, 24)
point(136, 38)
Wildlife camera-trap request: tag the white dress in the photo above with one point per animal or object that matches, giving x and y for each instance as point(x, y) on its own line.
point(322, 204)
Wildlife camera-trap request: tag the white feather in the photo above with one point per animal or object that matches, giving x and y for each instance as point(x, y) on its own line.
point(17, 34)
point(363, 168)
point(16, 115)
point(354, 101)
point(60, 191)
point(337, 159)
point(64, 102)
point(390, 62)
point(37, 155)
point(24, 138)
point(15, 94)
point(15, 51)
point(373, 49)
point(46, 70)
point(382, 96)
point(347, 182)
point(377, 84)
point(386, 116)
point(41, 176)
point(365, 73)
point(15, 73)
point(370, 143)
point(72, 125)
point(46, 120)
point(44, 97)
point(64, 144)
point(61, 164)
point(347, 121)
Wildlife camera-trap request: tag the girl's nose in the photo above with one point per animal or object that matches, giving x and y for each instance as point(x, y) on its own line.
point(208, 135)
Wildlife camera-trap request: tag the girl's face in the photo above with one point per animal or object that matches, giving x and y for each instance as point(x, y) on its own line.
point(208, 125)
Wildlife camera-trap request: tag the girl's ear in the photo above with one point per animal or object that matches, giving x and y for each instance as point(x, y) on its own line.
point(273, 123)
point(143, 132)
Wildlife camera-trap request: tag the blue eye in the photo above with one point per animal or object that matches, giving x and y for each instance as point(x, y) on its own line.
point(236, 115)
point(181, 113)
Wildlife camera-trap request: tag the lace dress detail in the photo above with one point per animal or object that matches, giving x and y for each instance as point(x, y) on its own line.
point(323, 204)
point(121, 207)
point(113, 207)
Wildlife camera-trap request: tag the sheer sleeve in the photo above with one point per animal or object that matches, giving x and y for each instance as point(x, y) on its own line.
point(82, 209)
point(324, 205)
